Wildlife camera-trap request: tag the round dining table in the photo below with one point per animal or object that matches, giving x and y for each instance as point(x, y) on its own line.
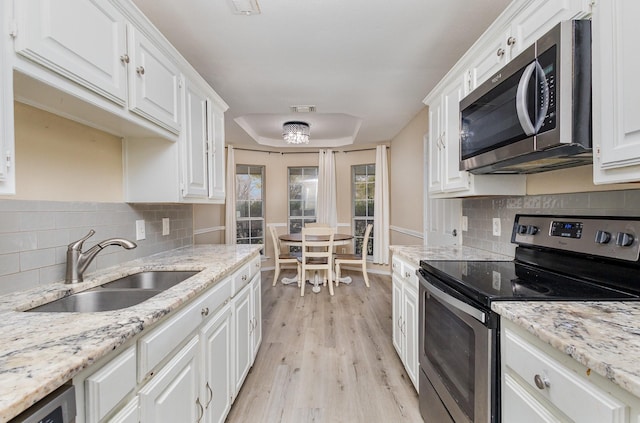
point(295, 239)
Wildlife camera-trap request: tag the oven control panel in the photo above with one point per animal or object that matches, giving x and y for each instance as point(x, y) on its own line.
point(599, 236)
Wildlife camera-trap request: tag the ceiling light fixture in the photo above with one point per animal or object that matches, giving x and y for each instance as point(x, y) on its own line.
point(246, 7)
point(295, 132)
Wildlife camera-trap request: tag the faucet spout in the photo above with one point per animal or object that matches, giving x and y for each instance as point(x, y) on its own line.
point(78, 261)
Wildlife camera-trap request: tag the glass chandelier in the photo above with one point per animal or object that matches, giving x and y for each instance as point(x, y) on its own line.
point(295, 132)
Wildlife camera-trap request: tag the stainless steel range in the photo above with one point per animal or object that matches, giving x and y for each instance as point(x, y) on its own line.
point(576, 258)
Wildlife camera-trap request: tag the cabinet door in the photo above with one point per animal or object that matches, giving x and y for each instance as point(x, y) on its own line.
point(242, 336)
point(454, 179)
point(519, 406)
point(256, 312)
point(196, 137)
point(217, 156)
point(217, 366)
point(434, 170)
point(154, 81)
point(7, 144)
point(129, 414)
point(538, 18)
point(616, 104)
point(172, 395)
point(490, 60)
point(396, 315)
point(83, 40)
point(411, 334)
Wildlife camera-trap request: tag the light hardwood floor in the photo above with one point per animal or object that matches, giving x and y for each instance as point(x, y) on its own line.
point(327, 359)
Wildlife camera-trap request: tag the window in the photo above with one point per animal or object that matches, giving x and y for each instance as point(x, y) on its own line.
point(249, 204)
point(303, 190)
point(364, 183)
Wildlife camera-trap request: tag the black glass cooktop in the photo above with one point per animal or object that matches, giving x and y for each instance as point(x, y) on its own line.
point(487, 281)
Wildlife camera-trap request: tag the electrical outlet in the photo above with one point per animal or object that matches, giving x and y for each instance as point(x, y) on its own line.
point(465, 223)
point(496, 226)
point(141, 232)
point(165, 226)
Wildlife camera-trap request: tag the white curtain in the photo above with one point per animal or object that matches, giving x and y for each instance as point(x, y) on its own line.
point(230, 206)
point(327, 212)
point(381, 208)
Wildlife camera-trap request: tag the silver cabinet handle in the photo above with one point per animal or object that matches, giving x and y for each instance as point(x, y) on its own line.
point(201, 409)
point(140, 70)
point(407, 274)
point(541, 381)
point(511, 41)
point(205, 311)
point(124, 58)
point(210, 395)
point(500, 52)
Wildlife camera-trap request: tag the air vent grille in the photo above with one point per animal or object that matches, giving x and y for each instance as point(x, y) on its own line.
point(302, 109)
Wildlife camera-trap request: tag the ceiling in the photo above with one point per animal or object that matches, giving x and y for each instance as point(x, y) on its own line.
point(366, 65)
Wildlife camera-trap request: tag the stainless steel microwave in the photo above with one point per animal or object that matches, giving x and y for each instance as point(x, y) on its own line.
point(535, 113)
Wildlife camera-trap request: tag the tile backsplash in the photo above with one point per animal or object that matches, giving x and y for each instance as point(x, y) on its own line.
point(34, 236)
point(481, 211)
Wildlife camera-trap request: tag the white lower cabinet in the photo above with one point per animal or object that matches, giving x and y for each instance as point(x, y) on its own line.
point(540, 384)
point(188, 368)
point(172, 395)
point(405, 316)
point(217, 369)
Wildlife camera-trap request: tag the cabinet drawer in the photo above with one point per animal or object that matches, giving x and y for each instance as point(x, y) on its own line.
point(396, 266)
point(109, 385)
point(241, 278)
point(217, 297)
point(576, 397)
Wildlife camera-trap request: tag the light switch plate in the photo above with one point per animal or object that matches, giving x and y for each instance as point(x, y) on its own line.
point(141, 232)
point(496, 226)
point(165, 226)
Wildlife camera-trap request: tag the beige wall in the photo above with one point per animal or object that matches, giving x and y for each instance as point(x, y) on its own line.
point(407, 181)
point(61, 160)
point(577, 179)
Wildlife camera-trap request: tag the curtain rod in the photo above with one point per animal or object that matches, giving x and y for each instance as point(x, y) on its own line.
point(300, 152)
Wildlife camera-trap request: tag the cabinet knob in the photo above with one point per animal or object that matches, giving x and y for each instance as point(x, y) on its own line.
point(500, 52)
point(124, 58)
point(541, 382)
point(511, 41)
point(140, 70)
point(244, 277)
point(205, 311)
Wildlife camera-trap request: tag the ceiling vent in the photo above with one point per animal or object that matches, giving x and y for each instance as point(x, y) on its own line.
point(246, 7)
point(302, 109)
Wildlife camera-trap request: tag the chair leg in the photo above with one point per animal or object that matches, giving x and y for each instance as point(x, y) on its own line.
point(330, 281)
point(337, 273)
point(276, 274)
point(302, 280)
point(364, 273)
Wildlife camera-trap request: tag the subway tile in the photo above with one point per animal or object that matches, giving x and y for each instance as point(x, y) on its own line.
point(16, 242)
point(9, 222)
point(9, 263)
point(50, 274)
point(30, 260)
point(19, 281)
point(53, 238)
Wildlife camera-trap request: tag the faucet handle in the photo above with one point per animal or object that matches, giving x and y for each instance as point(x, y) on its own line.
point(77, 245)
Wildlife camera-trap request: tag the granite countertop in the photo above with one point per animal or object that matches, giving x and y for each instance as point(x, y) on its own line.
point(41, 351)
point(602, 336)
point(415, 253)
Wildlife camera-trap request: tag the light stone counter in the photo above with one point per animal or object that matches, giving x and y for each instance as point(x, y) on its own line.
point(41, 351)
point(415, 253)
point(602, 336)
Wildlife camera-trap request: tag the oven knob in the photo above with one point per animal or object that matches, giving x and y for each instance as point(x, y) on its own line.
point(522, 229)
point(603, 237)
point(624, 239)
point(532, 230)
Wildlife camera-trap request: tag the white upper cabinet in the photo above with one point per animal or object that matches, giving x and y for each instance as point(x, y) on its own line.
point(616, 104)
point(7, 155)
point(55, 35)
point(197, 136)
point(155, 82)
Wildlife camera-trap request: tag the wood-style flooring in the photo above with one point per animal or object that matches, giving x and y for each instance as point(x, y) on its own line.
point(327, 359)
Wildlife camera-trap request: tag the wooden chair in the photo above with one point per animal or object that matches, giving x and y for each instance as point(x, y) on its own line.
point(281, 258)
point(340, 259)
point(316, 255)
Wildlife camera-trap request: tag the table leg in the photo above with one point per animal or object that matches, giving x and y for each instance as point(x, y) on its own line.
point(289, 281)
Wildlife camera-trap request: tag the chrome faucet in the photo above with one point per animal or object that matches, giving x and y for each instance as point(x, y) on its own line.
point(77, 261)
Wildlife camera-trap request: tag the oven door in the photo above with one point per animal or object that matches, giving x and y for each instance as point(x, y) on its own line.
point(458, 357)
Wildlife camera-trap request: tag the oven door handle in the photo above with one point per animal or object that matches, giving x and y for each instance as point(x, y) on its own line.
point(479, 315)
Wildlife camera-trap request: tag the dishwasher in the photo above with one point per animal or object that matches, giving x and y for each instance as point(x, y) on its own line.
point(57, 407)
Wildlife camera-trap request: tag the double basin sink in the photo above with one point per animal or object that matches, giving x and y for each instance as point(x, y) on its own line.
point(120, 293)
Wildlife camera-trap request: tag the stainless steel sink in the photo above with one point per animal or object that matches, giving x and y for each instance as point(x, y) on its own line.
point(98, 300)
point(157, 279)
point(120, 293)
